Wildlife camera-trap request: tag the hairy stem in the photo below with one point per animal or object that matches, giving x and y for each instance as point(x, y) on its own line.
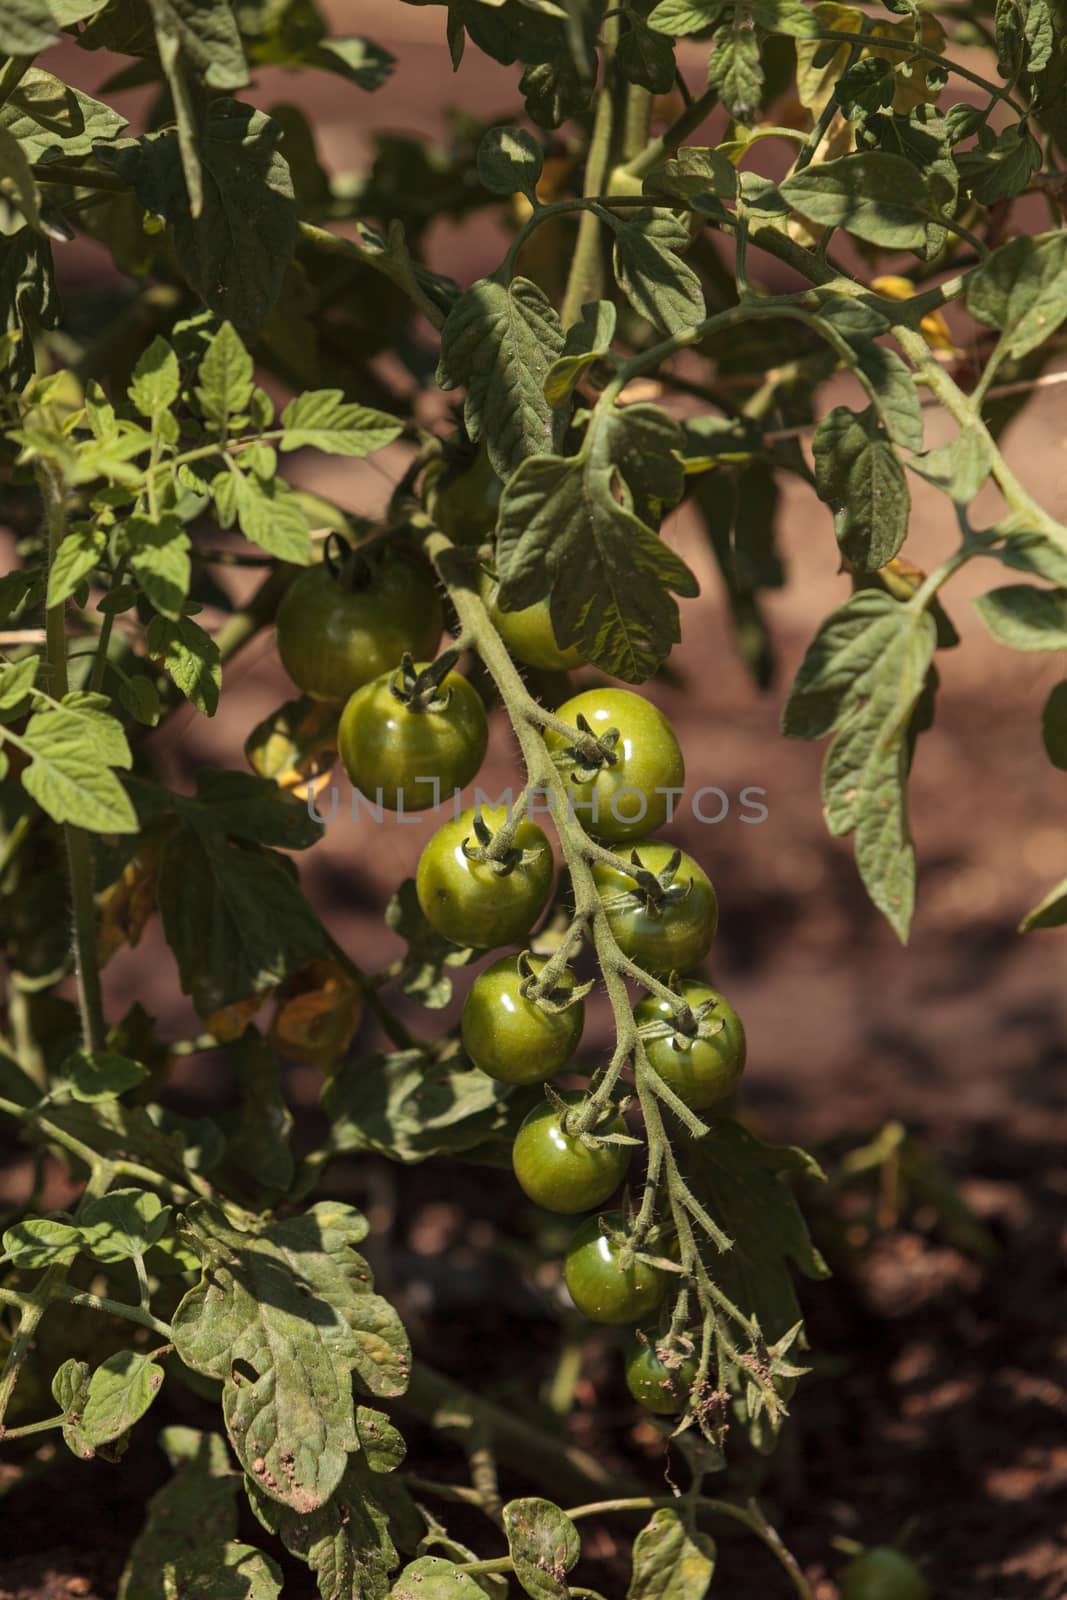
point(586, 279)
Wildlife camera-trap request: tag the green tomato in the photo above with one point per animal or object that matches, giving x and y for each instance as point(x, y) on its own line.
point(472, 902)
point(511, 1038)
point(529, 634)
point(659, 1386)
point(622, 801)
point(701, 1069)
point(463, 499)
point(412, 756)
point(599, 1286)
point(673, 935)
point(333, 640)
point(564, 1173)
point(883, 1573)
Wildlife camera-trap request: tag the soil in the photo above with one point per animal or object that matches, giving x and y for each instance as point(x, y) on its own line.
point(937, 1405)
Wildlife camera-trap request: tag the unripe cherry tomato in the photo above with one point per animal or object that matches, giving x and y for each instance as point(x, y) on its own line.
point(413, 756)
point(701, 1070)
point(657, 1385)
point(332, 640)
point(529, 634)
point(562, 1172)
point(672, 936)
point(599, 1286)
point(883, 1573)
point(620, 801)
point(471, 902)
point(513, 1039)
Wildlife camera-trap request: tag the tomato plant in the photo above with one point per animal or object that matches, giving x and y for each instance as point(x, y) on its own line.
point(251, 425)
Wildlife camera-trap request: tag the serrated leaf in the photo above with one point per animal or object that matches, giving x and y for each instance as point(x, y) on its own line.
point(139, 696)
point(16, 680)
point(234, 917)
point(858, 475)
point(734, 68)
point(189, 1517)
point(670, 1562)
point(67, 775)
point(191, 657)
point(500, 341)
point(324, 420)
point(510, 162)
point(1021, 289)
point(681, 17)
point(123, 1223)
point(658, 284)
point(543, 1544)
point(39, 1242)
point(879, 197)
point(284, 1316)
point(157, 551)
point(695, 173)
point(645, 57)
point(120, 1392)
point(1024, 617)
point(225, 376)
point(75, 559)
point(94, 1075)
point(576, 529)
point(269, 513)
point(410, 1108)
point(155, 382)
point(861, 680)
point(51, 118)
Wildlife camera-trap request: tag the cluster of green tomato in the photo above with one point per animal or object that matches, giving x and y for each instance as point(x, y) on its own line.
point(410, 735)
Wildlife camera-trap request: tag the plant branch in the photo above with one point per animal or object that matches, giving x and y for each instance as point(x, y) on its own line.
point(586, 278)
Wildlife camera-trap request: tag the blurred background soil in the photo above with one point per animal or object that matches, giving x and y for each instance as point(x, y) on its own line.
point(938, 1399)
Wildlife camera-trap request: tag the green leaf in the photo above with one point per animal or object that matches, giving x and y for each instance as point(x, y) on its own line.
point(960, 467)
point(433, 1578)
point(16, 681)
point(577, 529)
point(740, 1180)
point(234, 254)
point(50, 118)
point(645, 58)
point(259, 1146)
point(269, 512)
point(878, 197)
point(346, 1543)
point(410, 1108)
point(660, 287)
point(423, 977)
point(859, 476)
point(94, 1075)
point(1050, 912)
point(188, 1518)
point(225, 377)
point(543, 1544)
point(680, 17)
point(20, 201)
point(26, 27)
point(158, 555)
point(1054, 726)
point(77, 556)
point(1001, 170)
point(70, 1390)
point(588, 341)
point(283, 1316)
point(123, 1223)
point(322, 419)
point(1024, 617)
point(670, 1563)
point(1022, 290)
point(191, 657)
point(242, 806)
point(861, 681)
point(892, 389)
point(510, 162)
point(156, 381)
point(500, 341)
point(734, 67)
point(120, 1392)
point(68, 775)
point(38, 1242)
point(139, 696)
point(382, 1445)
point(234, 917)
point(696, 174)
point(226, 1572)
point(28, 301)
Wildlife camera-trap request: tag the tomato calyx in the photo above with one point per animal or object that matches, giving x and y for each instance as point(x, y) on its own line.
point(590, 753)
point(423, 691)
point(352, 567)
point(686, 1027)
point(571, 1119)
point(496, 850)
point(653, 891)
point(554, 996)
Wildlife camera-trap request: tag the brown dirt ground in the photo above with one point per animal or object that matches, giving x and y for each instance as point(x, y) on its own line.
point(938, 1399)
